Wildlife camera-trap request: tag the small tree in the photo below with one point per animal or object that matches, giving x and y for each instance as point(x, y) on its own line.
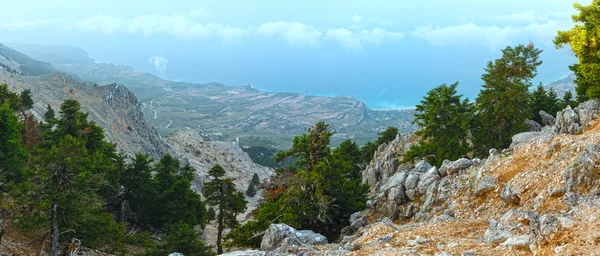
point(387, 136)
point(12, 154)
point(49, 115)
point(26, 100)
point(568, 99)
point(255, 179)
point(251, 191)
point(443, 119)
point(221, 193)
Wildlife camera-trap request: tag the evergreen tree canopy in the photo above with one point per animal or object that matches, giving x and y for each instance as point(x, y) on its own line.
point(584, 41)
point(309, 148)
point(12, 154)
point(221, 193)
point(443, 119)
point(568, 99)
point(501, 107)
point(540, 99)
point(26, 100)
point(49, 115)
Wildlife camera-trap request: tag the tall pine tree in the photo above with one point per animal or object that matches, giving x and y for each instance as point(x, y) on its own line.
point(501, 107)
point(221, 194)
point(443, 119)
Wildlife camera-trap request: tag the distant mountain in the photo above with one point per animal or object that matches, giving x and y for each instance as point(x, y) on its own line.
point(226, 112)
point(19, 63)
point(563, 85)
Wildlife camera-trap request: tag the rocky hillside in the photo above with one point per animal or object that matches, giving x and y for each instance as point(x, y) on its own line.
point(112, 106)
point(563, 85)
point(227, 112)
point(538, 197)
point(21, 64)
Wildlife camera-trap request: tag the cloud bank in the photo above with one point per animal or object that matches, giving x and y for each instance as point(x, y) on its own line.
point(525, 26)
point(160, 63)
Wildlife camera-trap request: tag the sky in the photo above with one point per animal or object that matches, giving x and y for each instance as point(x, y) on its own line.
point(387, 53)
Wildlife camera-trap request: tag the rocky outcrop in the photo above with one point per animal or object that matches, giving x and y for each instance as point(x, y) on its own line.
point(283, 239)
point(573, 121)
point(547, 119)
point(533, 126)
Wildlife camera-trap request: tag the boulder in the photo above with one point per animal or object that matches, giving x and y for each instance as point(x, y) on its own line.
point(422, 167)
point(277, 233)
point(517, 242)
point(394, 181)
point(486, 185)
point(583, 170)
point(430, 177)
point(245, 253)
point(510, 196)
point(567, 121)
point(443, 169)
point(588, 111)
point(175, 254)
point(458, 165)
point(547, 119)
point(494, 234)
point(532, 126)
point(548, 224)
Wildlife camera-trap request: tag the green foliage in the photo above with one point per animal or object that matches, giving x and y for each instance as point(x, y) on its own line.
point(388, 135)
point(265, 156)
point(309, 148)
point(26, 100)
point(568, 99)
point(49, 115)
point(12, 153)
point(320, 196)
point(501, 107)
point(584, 41)
point(183, 239)
point(540, 99)
point(251, 191)
point(443, 119)
point(255, 179)
point(13, 99)
point(172, 200)
point(368, 150)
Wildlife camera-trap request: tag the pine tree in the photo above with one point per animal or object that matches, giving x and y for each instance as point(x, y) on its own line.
point(538, 100)
point(501, 107)
point(255, 179)
point(221, 193)
point(443, 119)
point(26, 100)
point(568, 99)
point(49, 115)
point(251, 191)
point(554, 104)
point(583, 40)
point(12, 154)
point(309, 148)
point(387, 136)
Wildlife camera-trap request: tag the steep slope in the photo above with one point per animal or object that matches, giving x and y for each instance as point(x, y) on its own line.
point(538, 197)
point(19, 63)
point(112, 106)
point(563, 85)
point(227, 112)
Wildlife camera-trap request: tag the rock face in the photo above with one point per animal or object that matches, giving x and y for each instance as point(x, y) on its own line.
point(547, 119)
point(284, 239)
point(486, 185)
point(113, 107)
point(533, 125)
point(573, 121)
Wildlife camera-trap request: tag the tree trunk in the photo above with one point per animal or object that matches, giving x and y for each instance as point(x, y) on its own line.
point(55, 250)
point(220, 233)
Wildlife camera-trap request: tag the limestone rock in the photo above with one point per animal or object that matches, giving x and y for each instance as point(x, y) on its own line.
point(276, 234)
point(486, 184)
point(494, 234)
point(458, 165)
point(547, 119)
point(245, 253)
point(517, 242)
point(533, 126)
point(567, 121)
point(509, 196)
point(588, 111)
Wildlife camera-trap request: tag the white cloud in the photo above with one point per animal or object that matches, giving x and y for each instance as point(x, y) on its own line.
point(191, 25)
point(491, 36)
point(159, 62)
point(295, 33)
point(345, 38)
point(355, 41)
point(357, 19)
point(531, 16)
